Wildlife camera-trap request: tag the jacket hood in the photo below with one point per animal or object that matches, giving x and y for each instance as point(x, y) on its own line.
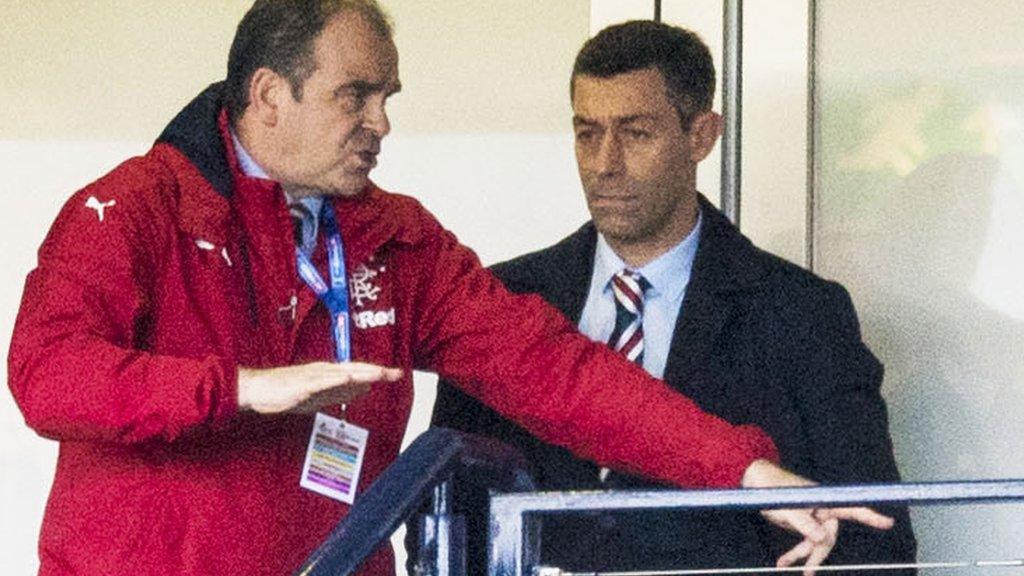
point(195, 133)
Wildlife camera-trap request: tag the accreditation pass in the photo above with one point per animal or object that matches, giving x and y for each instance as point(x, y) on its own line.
point(334, 458)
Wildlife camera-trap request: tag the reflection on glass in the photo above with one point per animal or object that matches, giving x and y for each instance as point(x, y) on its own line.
point(921, 215)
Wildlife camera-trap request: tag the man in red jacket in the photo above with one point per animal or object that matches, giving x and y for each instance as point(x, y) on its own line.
point(181, 330)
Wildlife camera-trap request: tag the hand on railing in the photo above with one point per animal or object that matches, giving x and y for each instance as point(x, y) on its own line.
point(819, 526)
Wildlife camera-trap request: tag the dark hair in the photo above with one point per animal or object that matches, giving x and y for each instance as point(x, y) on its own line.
point(279, 35)
point(680, 55)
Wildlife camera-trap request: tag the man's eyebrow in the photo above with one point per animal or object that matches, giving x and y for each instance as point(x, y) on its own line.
point(636, 118)
point(365, 87)
point(580, 120)
point(358, 86)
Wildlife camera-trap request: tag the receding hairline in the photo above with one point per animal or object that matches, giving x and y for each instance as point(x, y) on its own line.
point(256, 32)
point(371, 13)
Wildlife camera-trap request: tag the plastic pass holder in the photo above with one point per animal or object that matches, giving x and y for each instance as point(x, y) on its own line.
point(334, 458)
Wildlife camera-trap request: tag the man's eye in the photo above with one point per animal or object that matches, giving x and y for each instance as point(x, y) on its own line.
point(584, 135)
point(351, 100)
point(635, 134)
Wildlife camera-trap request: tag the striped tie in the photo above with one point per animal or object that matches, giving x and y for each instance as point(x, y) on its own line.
point(628, 336)
point(304, 225)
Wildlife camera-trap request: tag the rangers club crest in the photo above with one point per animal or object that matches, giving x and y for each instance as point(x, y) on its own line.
point(364, 283)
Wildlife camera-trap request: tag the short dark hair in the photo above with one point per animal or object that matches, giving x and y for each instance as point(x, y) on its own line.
point(679, 54)
point(279, 35)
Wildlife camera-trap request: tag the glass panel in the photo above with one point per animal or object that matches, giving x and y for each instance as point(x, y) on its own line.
point(920, 206)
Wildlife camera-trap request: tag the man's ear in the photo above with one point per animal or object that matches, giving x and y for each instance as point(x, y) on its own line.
point(266, 89)
point(704, 131)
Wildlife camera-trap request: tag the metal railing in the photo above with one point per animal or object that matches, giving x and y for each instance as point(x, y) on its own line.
point(515, 518)
point(427, 467)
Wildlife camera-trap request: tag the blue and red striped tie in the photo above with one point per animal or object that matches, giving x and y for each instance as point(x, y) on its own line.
point(304, 225)
point(628, 336)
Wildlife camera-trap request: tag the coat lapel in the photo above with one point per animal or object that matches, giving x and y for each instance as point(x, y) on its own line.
point(704, 314)
point(568, 268)
point(725, 266)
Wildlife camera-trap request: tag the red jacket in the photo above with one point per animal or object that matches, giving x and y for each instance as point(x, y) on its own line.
point(157, 281)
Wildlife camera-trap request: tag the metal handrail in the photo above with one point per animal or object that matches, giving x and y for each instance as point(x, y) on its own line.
point(514, 546)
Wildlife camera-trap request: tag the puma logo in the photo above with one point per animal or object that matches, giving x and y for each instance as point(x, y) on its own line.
point(98, 206)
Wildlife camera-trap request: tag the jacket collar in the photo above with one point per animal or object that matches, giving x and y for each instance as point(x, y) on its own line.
point(726, 262)
point(726, 265)
point(195, 133)
point(203, 162)
point(565, 271)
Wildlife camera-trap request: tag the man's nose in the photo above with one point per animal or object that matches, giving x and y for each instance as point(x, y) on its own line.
point(609, 160)
point(375, 119)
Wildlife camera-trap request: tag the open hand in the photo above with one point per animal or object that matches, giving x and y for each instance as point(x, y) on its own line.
point(819, 526)
point(308, 387)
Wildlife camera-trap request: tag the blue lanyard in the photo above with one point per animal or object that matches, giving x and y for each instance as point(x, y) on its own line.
point(334, 296)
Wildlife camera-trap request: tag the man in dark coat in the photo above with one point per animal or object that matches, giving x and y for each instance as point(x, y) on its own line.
point(661, 275)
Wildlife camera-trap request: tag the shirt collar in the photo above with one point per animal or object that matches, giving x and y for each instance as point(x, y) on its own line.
point(245, 162)
point(251, 168)
point(667, 274)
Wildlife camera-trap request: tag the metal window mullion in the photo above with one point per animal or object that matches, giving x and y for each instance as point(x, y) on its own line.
point(732, 107)
point(813, 133)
